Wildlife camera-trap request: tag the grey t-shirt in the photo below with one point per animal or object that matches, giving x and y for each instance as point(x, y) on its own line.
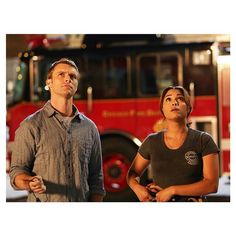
point(177, 166)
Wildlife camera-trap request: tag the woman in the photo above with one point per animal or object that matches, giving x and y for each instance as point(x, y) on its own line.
point(184, 161)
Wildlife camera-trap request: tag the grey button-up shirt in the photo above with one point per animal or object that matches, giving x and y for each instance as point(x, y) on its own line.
point(68, 158)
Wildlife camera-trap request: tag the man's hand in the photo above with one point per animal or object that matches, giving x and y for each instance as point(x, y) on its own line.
point(36, 184)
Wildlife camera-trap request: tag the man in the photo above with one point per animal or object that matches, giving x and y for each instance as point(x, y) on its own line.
point(57, 150)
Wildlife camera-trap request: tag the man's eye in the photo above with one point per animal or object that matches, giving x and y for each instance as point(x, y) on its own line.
point(61, 74)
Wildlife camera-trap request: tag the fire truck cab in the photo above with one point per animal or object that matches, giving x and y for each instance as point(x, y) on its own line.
point(122, 77)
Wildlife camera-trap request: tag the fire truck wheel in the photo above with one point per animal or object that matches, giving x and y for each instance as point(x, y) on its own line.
point(118, 154)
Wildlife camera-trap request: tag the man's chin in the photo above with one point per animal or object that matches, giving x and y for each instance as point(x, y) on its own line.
point(69, 95)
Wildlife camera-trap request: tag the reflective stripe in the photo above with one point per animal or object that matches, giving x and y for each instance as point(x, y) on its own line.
point(225, 144)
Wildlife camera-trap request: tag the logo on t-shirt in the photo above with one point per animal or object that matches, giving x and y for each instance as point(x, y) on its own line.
point(191, 158)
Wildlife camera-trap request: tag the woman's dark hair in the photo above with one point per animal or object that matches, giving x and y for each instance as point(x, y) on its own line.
point(183, 92)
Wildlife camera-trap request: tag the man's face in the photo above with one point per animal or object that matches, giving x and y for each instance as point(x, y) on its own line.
point(64, 81)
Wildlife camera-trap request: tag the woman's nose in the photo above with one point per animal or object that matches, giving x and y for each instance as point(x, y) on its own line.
point(175, 102)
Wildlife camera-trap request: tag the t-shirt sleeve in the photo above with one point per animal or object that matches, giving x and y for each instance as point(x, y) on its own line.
point(144, 149)
point(208, 145)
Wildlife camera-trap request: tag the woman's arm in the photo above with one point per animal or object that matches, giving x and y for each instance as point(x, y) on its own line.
point(209, 183)
point(136, 169)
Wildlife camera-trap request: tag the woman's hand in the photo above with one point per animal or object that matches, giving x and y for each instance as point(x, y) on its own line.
point(143, 194)
point(165, 195)
point(152, 187)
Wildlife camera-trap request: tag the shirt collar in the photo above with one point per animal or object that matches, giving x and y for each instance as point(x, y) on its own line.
point(48, 108)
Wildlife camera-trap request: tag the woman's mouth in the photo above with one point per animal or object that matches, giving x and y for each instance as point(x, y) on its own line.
point(175, 109)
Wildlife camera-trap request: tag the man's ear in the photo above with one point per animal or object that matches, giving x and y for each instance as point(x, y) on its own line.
point(48, 84)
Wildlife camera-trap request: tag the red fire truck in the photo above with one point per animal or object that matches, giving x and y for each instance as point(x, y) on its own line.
point(122, 77)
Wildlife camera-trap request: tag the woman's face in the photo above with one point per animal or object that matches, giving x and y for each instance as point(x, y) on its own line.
point(174, 105)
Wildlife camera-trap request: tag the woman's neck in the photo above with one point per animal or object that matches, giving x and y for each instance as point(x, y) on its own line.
point(175, 135)
point(176, 129)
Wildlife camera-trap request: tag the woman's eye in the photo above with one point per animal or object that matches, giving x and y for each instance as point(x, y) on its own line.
point(168, 99)
point(181, 99)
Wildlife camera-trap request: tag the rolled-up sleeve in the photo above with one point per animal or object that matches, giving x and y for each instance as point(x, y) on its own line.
point(95, 180)
point(23, 152)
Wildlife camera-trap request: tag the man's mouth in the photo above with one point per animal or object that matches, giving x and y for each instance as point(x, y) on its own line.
point(66, 85)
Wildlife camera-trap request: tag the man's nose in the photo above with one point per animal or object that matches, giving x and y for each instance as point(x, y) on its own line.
point(67, 78)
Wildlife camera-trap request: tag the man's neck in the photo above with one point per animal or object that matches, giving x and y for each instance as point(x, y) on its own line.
point(64, 106)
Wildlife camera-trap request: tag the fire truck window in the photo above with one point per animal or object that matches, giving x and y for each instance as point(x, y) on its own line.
point(82, 83)
point(203, 79)
point(168, 72)
point(115, 77)
point(93, 77)
point(148, 75)
point(204, 126)
point(40, 74)
point(18, 93)
point(157, 72)
point(202, 57)
point(107, 76)
point(201, 72)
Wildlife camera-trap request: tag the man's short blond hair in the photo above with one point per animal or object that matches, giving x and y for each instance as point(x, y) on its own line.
point(61, 61)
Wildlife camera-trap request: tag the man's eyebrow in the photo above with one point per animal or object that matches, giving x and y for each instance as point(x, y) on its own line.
point(65, 71)
point(60, 71)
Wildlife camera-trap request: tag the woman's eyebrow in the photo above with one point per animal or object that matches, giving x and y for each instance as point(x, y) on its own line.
point(179, 94)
